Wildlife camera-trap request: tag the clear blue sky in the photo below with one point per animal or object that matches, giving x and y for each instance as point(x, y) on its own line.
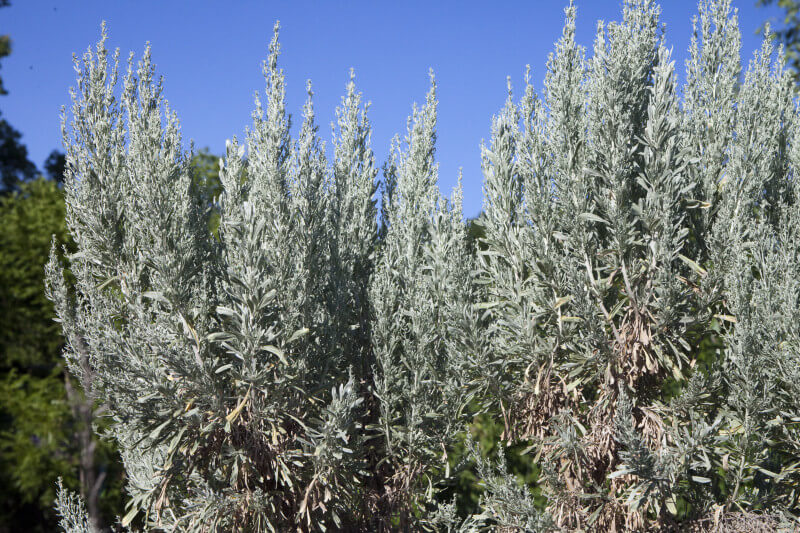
point(210, 55)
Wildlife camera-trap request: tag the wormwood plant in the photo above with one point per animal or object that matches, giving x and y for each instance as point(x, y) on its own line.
point(631, 314)
point(286, 372)
point(625, 234)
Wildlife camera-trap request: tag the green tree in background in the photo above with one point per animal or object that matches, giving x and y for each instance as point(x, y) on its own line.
point(54, 166)
point(34, 447)
point(14, 164)
point(205, 172)
point(30, 218)
point(5, 47)
point(15, 167)
point(45, 422)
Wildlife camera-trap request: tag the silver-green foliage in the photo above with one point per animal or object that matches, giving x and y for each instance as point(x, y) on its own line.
point(420, 289)
point(626, 233)
point(245, 385)
point(72, 511)
point(632, 314)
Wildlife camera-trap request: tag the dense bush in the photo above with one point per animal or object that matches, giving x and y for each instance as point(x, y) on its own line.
point(630, 313)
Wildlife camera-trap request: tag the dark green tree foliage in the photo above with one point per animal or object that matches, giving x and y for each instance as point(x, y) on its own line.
point(5, 48)
point(39, 445)
point(31, 218)
point(45, 421)
point(15, 167)
point(205, 172)
point(14, 164)
point(38, 426)
point(205, 178)
point(35, 449)
point(54, 166)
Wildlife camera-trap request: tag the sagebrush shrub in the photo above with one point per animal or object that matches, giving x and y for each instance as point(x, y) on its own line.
point(630, 313)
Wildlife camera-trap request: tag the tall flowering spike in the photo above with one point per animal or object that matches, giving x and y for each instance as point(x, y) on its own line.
point(94, 140)
point(654, 282)
point(418, 286)
point(175, 247)
point(234, 185)
point(558, 144)
point(269, 158)
point(502, 188)
point(308, 160)
point(758, 166)
point(794, 165)
point(139, 273)
point(664, 176)
point(355, 221)
point(268, 142)
point(709, 97)
point(564, 98)
point(417, 173)
point(503, 272)
point(310, 261)
point(533, 159)
point(354, 173)
point(619, 80)
point(619, 76)
point(388, 186)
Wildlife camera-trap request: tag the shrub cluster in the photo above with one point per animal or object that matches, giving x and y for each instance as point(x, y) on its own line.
point(630, 313)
